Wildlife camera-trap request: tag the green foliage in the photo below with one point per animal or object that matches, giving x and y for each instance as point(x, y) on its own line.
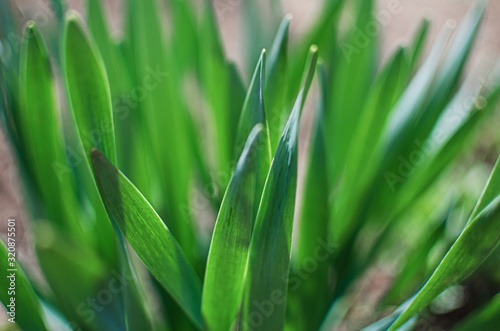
point(176, 198)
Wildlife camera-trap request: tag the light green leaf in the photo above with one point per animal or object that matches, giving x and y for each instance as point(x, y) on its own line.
point(227, 258)
point(149, 236)
point(254, 113)
point(270, 246)
point(88, 90)
point(478, 239)
point(43, 145)
point(312, 299)
point(277, 83)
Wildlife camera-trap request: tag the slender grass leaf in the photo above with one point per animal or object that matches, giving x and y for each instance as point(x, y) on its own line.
point(473, 246)
point(270, 246)
point(88, 90)
point(418, 44)
point(254, 113)
point(43, 145)
point(215, 76)
point(227, 258)
point(149, 236)
point(351, 78)
point(277, 83)
point(312, 298)
point(28, 313)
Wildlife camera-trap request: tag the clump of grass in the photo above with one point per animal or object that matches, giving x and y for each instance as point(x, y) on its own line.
point(159, 120)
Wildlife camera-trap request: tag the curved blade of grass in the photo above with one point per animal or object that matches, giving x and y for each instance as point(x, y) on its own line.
point(228, 253)
point(277, 83)
point(312, 296)
point(148, 235)
point(43, 145)
point(418, 44)
point(478, 239)
point(254, 113)
point(484, 318)
point(446, 150)
point(28, 309)
point(88, 91)
point(270, 246)
point(450, 71)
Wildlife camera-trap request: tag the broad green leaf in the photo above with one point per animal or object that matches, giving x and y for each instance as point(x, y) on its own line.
point(228, 253)
point(43, 145)
point(149, 236)
point(28, 312)
point(276, 91)
point(311, 296)
point(485, 318)
point(253, 113)
point(88, 90)
point(478, 239)
point(270, 246)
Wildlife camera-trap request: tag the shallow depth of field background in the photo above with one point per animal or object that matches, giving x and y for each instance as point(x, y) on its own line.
point(400, 27)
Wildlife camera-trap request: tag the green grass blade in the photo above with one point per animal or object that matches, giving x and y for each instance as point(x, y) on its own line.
point(418, 44)
point(351, 78)
point(277, 83)
point(149, 236)
point(312, 297)
point(254, 113)
point(28, 309)
point(228, 254)
point(270, 246)
point(88, 91)
point(450, 71)
point(215, 79)
point(478, 239)
point(43, 145)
